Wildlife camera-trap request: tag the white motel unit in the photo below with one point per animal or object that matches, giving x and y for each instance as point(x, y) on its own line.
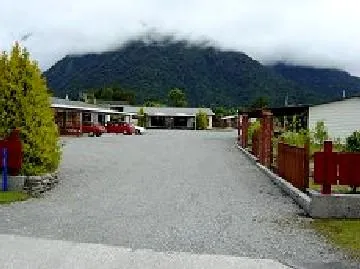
point(341, 117)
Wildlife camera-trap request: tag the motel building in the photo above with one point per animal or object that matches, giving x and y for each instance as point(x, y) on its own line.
point(162, 117)
point(70, 116)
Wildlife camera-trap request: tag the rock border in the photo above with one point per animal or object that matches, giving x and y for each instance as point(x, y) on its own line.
point(35, 186)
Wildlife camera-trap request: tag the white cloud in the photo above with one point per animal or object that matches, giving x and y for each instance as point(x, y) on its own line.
point(314, 32)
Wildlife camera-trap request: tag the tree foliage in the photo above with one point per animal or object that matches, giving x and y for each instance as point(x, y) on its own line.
point(154, 103)
point(177, 98)
point(260, 102)
point(201, 120)
point(328, 83)
point(25, 104)
point(111, 94)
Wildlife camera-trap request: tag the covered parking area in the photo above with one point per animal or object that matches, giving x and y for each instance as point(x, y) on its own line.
point(70, 116)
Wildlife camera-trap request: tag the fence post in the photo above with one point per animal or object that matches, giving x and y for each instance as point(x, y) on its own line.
point(239, 129)
point(265, 138)
point(4, 169)
point(306, 163)
point(326, 187)
point(244, 130)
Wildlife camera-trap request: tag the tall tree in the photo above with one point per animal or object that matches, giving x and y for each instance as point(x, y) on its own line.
point(25, 105)
point(177, 98)
point(260, 102)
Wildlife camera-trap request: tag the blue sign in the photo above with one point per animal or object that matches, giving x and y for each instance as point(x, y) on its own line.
point(4, 170)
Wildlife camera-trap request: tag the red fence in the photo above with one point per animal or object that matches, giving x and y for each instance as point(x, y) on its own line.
point(336, 168)
point(293, 165)
point(14, 147)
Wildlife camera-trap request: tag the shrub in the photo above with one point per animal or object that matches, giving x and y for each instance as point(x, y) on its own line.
point(25, 104)
point(353, 142)
point(320, 132)
point(253, 127)
point(298, 139)
point(142, 118)
point(201, 120)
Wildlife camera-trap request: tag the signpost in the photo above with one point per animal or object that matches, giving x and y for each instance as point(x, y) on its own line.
point(4, 169)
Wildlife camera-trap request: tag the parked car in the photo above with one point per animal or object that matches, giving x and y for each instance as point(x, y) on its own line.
point(139, 130)
point(93, 129)
point(120, 128)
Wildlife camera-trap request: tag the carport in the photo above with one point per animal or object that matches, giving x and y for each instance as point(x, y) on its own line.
point(70, 116)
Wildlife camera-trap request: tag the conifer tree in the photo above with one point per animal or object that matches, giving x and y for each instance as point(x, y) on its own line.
point(25, 104)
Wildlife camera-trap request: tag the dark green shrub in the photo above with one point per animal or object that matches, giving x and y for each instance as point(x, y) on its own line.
point(353, 142)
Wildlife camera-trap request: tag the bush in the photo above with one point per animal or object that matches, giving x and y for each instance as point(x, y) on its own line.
point(353, 142)
point(320, 133)
point(298, 139)
point(25, 104)
point(201, 120)
point(253, 127)
point(142, 118)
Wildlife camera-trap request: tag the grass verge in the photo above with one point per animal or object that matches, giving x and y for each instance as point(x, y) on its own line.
point(343, 233)
point(7, 197)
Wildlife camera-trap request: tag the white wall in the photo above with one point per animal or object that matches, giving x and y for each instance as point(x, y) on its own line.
point(94, 118)
point(210, 122)
point(341, 118)
point(190, 122)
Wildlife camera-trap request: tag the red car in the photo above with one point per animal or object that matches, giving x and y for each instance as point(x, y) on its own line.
point(120, 128)
point(93, 129)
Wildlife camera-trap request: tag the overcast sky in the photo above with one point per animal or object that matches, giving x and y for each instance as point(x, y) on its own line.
point(315, 32)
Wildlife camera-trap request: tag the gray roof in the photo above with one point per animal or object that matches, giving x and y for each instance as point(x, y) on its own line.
point(59, 101)
point(169, 111)
point(64, 103)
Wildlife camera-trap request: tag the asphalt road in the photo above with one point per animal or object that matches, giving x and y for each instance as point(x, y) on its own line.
point(180, 191)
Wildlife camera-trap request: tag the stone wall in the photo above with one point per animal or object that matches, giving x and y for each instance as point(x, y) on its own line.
point(37, 185)
point(33, 185)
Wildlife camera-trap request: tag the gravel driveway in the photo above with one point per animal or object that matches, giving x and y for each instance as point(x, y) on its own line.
point(171, 191)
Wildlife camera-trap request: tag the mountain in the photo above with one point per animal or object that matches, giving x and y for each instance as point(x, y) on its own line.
point(209, 76)
point(327, 82)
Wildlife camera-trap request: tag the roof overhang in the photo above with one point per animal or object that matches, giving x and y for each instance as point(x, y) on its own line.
point(89, 109)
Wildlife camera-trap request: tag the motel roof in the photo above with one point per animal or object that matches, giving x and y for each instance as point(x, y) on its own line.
point(78, 105)
point(168, 111)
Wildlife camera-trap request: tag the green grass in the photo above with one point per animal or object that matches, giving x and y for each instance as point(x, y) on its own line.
point(334, 188)
point(12, 196)
point(343, 233)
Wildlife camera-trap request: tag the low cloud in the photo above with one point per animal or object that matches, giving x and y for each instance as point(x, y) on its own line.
point(320, 33)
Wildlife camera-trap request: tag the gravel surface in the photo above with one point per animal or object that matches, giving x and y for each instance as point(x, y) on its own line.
point(171, 191)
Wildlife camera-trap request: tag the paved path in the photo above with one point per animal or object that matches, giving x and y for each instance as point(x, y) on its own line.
point(176, 191)
point(45, 254)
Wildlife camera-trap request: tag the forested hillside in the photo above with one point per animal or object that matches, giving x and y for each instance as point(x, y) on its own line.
point(207, 75)
point(325, 81)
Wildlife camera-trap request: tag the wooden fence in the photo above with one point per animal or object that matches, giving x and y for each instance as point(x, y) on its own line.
point(293, 165)
point(14, 149)
point(336, 168)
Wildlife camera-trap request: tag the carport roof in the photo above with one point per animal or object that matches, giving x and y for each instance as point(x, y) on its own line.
point(168, 111)
point(69, 104)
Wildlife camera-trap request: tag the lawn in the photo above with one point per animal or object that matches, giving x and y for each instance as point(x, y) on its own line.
point(343, 233)
point(12, 196)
